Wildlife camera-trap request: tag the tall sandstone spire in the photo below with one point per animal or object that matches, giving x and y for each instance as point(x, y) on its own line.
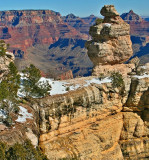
point(110, 42)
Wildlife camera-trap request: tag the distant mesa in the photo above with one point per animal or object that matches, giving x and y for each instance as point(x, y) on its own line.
point(131, 16)
point(70, 16)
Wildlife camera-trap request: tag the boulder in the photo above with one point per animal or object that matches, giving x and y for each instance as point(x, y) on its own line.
point(108, 11)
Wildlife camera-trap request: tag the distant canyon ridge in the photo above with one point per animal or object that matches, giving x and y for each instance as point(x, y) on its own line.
point(55, 44)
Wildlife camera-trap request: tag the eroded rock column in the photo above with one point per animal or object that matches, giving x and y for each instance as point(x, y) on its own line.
point(110, 44)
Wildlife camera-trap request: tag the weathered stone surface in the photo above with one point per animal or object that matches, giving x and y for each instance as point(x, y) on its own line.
point(106, 70)
point(32, 137)
point(133, 126)
point(135, 149)
point(81, 124)
point(109, 11)
point(88, 123)
point(145, 118)
point(138, 95)
point(95, 140)
point(110, 42)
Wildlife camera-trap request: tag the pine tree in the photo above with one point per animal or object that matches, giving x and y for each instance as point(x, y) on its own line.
point(32, 87)
point(8, 90)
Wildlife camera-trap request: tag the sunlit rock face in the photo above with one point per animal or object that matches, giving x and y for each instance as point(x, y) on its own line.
point(98, 122)
point(110, 42)
point(85, 123)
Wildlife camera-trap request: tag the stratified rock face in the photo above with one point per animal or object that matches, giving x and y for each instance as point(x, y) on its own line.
point(111, 42)
point(138, 26)
point(85, 123)
point(139, 35)
point(29, 30)
point(25, 28)
point(97, 122)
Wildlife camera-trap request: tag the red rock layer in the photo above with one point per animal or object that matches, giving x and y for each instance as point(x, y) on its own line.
point(26, 28)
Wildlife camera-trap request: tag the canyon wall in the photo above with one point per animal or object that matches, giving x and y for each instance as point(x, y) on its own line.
point(97, 122)
point(101, 121)
point(55, 44)
point(30, 34)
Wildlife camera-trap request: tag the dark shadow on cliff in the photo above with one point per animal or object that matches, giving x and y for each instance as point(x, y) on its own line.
point(68, 41)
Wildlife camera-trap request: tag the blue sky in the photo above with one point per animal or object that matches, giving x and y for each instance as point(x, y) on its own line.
point(80, 8)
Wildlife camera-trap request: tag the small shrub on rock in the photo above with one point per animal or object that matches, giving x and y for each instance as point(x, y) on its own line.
point(98, 21)
point(8, 93)
point(117, 79)
point(118, 82)
point(101, 76)
point(67, 88)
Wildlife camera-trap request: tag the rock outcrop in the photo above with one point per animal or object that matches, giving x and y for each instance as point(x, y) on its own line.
point(99, 121)
point(72, 125)
point(80, 24)
point(4, 63)
point(139, 35)
point(96, 122)
point(110, 42)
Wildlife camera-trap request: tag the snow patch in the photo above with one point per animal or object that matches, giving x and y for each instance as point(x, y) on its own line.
point(3, 114)
point(23, 115)
point(143, 67)
point(98, 81)
point(57, 87)
point(141, 77)
point(60, 87)
point(107, 25)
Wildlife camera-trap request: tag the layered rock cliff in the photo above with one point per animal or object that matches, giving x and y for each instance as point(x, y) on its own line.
point(96, 122)
point(99, 121)
point(31, 27)
point(25, 30)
